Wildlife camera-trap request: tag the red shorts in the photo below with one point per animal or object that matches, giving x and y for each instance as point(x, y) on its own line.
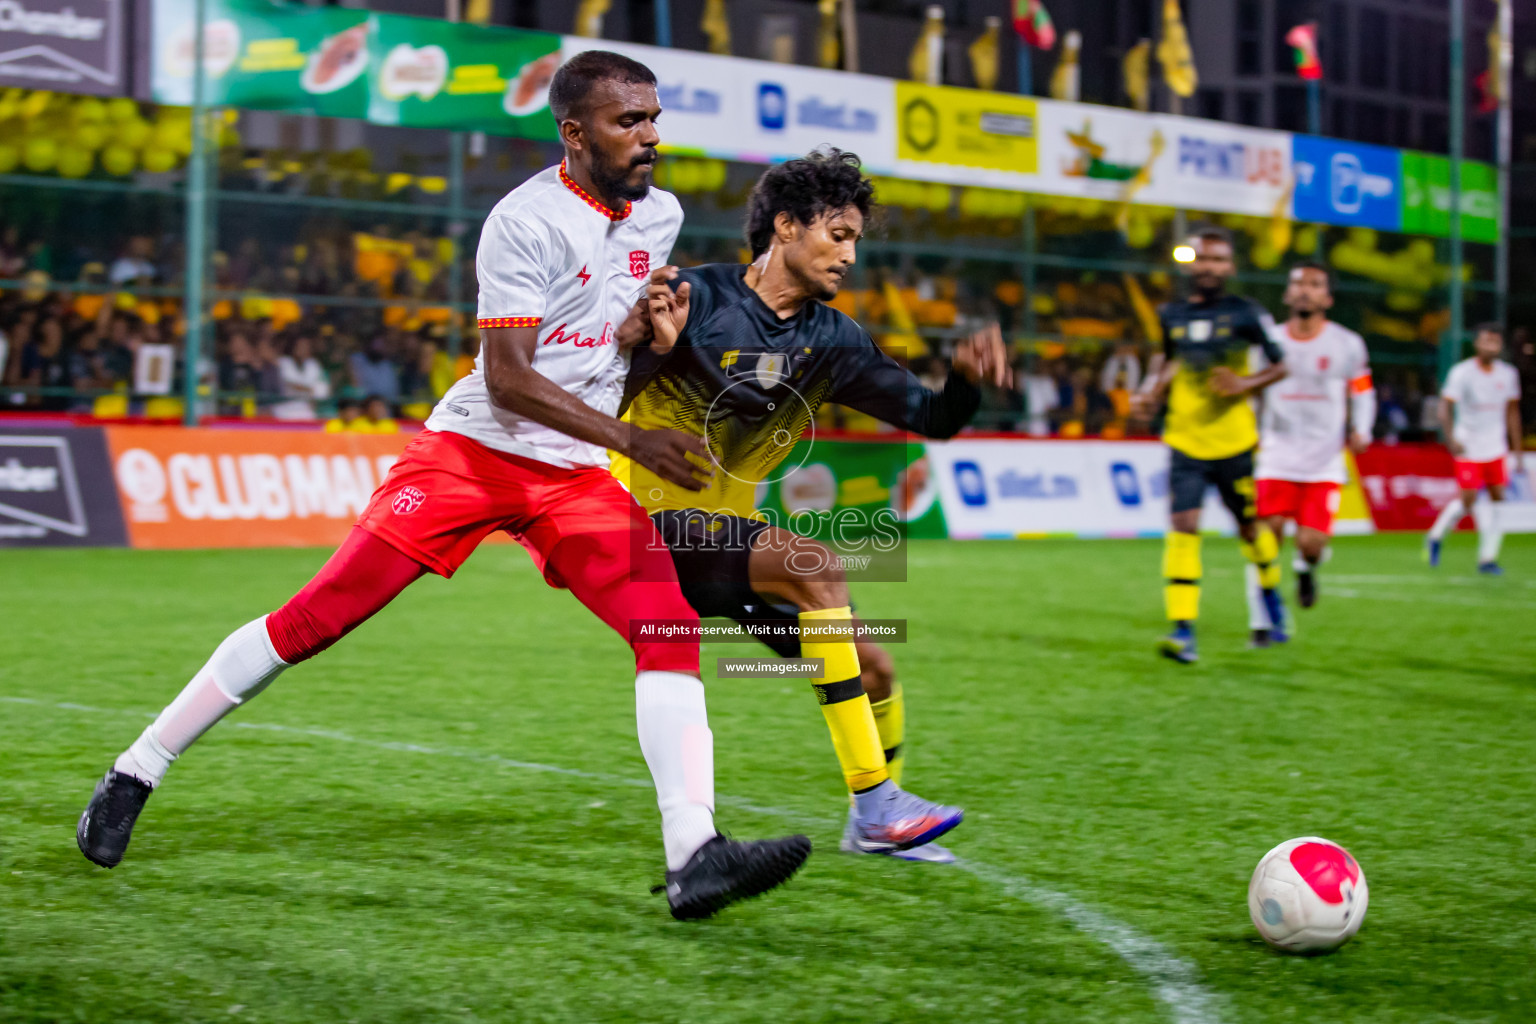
point(1474, 476)
point(585, 532)
point(1312, 505)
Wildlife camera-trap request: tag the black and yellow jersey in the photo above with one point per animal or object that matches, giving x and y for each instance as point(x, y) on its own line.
point(750, 384)
point(1203, 336)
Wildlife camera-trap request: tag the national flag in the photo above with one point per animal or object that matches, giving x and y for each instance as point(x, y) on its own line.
point(1033, 24)
point(1303, 41)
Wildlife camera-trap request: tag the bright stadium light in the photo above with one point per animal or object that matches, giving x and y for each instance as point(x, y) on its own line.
point(1183, 254)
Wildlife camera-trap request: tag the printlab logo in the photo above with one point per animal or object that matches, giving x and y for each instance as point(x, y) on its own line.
point(39, 489)
point(408, 500)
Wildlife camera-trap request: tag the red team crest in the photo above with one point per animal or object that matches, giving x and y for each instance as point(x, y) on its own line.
point(639, 263)
point(408, 500)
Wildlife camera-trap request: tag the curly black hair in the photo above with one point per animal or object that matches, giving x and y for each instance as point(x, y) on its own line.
point(824, 181)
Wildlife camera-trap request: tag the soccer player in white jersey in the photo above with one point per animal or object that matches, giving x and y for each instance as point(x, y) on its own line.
point(1480, 416)
point(1327, 398)
point(521, 445)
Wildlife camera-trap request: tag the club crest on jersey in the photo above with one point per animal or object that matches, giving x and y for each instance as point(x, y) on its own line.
point(408, 500)
point(772, 369)
point(1199, 330)
point(639, 263)
point(1322, 363)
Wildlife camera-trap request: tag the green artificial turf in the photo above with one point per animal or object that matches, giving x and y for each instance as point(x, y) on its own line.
point(374, 838)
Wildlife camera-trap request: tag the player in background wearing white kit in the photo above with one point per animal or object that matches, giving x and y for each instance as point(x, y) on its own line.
point(521, 445)
point(1327, 395)
point(1480, 417)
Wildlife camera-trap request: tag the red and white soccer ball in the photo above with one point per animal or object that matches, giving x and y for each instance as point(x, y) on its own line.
point(1307, 895)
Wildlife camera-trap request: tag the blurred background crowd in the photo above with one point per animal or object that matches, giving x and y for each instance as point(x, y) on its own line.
point(355, 327)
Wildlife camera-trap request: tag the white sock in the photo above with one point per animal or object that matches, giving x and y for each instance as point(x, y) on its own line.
point(1449, 517)
point(680, 751)
point(1489, 536)
point(1299, 563)
point(1258, 615)
point(241, 667)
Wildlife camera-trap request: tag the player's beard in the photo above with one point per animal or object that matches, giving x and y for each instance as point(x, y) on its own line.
point(612, 179)
point(1209, 286)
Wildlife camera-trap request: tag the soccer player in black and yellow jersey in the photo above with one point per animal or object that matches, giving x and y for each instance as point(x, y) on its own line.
point(751, 353)
point(1211, 428)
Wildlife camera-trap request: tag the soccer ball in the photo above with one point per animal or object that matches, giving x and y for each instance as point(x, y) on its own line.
point(1307, 895)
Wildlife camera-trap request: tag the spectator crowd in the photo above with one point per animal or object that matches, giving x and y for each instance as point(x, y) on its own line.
point(111, 342)
point(354, 328)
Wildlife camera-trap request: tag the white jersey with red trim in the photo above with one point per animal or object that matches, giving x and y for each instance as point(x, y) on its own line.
point(1482, 400)
point(553, 257)
point(1301, 433)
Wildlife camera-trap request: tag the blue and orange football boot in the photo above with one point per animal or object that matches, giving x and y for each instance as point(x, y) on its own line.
point(898, 820)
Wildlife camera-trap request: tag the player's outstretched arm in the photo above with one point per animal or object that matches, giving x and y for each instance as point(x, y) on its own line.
point(983, 357)
point(876, 385)
point(515, 386)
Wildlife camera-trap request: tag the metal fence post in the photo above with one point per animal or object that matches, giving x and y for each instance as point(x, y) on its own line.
point(197, 223)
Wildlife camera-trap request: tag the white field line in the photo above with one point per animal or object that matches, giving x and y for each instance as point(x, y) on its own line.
point(1174, 982)
point(1429, 578)
point(1461, 600)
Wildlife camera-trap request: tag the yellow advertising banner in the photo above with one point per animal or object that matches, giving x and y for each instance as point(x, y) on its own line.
point(966, 127)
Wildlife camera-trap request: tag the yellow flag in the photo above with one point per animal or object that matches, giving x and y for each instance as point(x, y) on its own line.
point(902, 339)
point(829, 50)
point(589, 18)
point(926, 64)
point(1281, 227)
point(717, 26)
point(1065, 78)
point(1146, 313)
point(1136, 71)
point(1499, 60)
point(1174, 53)
point(478, 12)
point(984, 55)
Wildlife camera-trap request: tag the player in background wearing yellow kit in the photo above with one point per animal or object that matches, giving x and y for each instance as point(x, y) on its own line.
point(1211, 429)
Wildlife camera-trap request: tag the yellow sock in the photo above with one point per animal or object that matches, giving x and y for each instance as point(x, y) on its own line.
point(855, 736)
point(1181, 570)
point(1264, 552)
point(891, 721)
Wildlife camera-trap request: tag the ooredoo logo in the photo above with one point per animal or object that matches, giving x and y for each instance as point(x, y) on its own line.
point(408, 500)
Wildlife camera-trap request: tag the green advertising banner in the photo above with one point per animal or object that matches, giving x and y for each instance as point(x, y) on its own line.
point(1427, 197)
point(439, 74)
point(339, 62)
point(855, 489)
